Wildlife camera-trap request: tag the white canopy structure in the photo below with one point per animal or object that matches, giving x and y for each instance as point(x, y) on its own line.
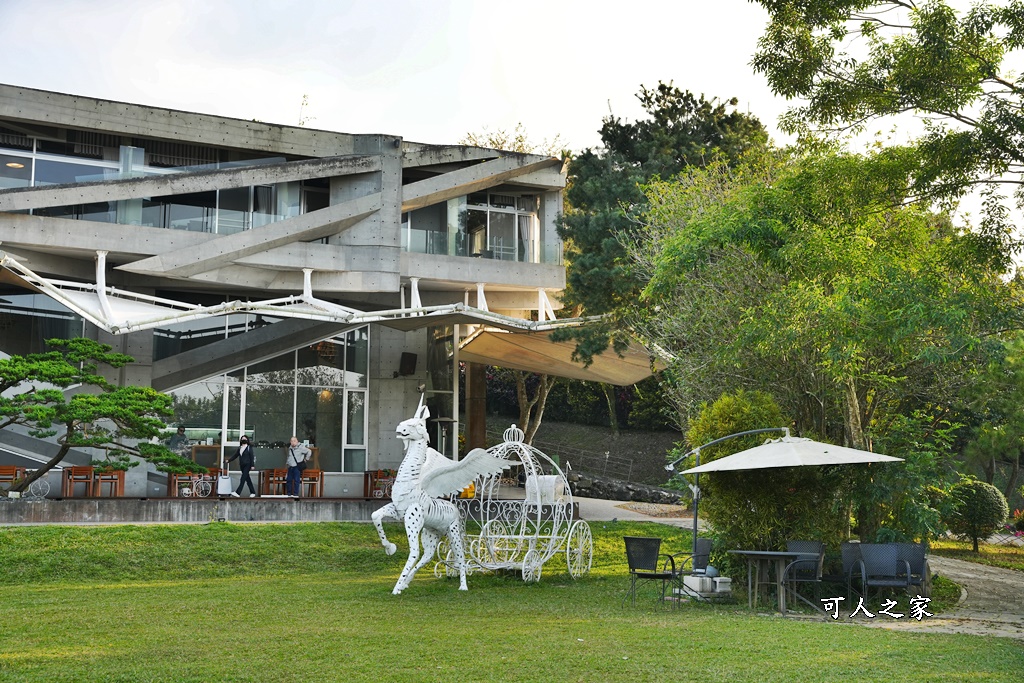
point(120, 311)
point(790, 451)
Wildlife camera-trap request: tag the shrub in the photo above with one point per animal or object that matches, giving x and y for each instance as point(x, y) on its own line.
point(760, 508)
point(1018, 520)
point(976, 510)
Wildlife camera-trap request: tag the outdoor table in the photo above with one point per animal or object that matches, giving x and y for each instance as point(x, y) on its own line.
point(761, 561)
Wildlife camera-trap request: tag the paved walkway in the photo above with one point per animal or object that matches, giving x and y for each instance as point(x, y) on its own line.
point(991, 601)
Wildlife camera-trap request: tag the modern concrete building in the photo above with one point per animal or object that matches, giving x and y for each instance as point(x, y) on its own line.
point(275, 280)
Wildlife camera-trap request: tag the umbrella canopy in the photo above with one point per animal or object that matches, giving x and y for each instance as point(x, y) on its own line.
point(790, 451)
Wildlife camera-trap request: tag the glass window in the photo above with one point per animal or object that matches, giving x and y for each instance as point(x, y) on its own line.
point(264, 208)
point(28, 320)
point(233, 211)
point(355, 460)
point(428, 230)
point(191, 211)
point(503, 236)
point(355, 418)
point(102, 212)
point(357, 343)
point(322, 363)
point(15, 171)
point(476, 230)
point(310, 401)
point(50, 172)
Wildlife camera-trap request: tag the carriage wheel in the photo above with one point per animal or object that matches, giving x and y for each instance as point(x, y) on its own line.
point(445, 566)
point(532, 564)
point(202, 488)
point(498, 546)
point(40, 488)
point(579, 549)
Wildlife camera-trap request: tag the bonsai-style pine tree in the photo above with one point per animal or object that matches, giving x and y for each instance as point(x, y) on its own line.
point(120, 421)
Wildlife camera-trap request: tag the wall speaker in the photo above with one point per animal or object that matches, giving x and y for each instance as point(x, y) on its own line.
point(407, 366)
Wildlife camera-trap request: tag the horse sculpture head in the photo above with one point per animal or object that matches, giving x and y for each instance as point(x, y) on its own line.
point(415, 428)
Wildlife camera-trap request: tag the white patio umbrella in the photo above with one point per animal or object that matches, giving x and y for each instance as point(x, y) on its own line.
point(790, 451)
point(786, 451)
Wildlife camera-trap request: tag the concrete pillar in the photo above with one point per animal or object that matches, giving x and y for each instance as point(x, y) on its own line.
point(476, 406)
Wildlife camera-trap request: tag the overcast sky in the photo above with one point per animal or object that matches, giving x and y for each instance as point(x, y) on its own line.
point(429, 71)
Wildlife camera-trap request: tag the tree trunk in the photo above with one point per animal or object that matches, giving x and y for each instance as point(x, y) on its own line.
point(1011, 480)
point(854, 426)
point(53, 462)
point(613, 414)
point(867, 515)
point(531, 409)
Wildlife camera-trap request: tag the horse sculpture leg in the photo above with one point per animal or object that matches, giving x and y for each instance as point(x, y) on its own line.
point(413, 525)
point(429, 538)
point(458, 549)
point(388, 511)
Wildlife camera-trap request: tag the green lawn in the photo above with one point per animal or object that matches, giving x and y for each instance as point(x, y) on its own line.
point(1005, 556)
point(313, 602)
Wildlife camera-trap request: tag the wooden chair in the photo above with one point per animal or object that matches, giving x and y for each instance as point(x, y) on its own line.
point(112, 479)
point(77, 475)
point(313, 481)
point(10, 474)
point(273, 481)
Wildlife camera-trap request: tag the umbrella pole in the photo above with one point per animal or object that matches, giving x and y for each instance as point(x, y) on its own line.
point(696, 500)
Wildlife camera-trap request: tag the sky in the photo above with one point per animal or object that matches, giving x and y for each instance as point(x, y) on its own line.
point(428, 70)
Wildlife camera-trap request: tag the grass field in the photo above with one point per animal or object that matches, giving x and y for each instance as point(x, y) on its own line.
point(1005, 556)
point(312, 602)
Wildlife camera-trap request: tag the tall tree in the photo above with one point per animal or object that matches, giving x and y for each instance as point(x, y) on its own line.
point(853, 61)
point(604, 198)
point(803, 275)
point(118, 421)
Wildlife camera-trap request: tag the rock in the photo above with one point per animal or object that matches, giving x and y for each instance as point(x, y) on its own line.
point(592, 486)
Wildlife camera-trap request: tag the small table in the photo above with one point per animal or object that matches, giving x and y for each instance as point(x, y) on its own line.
point(762, 560)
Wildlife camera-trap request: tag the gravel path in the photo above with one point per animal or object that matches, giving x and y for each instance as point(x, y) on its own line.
point(991, 602)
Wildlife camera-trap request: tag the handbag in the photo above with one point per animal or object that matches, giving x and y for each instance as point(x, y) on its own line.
point(301, 464)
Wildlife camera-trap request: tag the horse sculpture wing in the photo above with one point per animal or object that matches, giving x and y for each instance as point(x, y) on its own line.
point(452, 477)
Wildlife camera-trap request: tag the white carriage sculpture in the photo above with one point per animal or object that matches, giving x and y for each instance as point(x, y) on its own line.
point(521, 532)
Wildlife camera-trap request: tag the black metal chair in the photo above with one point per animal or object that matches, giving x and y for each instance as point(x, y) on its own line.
point(645, 564)
point(916, 555)
point(805, 569)
point(881, 567)
point(691, 564)
point(695, 562)
point(851, 559)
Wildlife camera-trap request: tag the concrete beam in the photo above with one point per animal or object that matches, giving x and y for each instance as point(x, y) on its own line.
point(19, 199)
point(122, 118)
point(415, 154)
point(224, 249)
point(244, 349)
point(67, 235)
point(457, 269)
point(545, 179)
point(68, 268)
point(471, 179)
point(266, 280)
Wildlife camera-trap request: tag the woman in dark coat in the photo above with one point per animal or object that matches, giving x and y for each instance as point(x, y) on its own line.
point(247, 459)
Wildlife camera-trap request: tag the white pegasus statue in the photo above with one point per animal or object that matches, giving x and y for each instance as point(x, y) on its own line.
point(423, 477)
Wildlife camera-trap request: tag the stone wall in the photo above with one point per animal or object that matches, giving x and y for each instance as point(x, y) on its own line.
point(591, 486)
